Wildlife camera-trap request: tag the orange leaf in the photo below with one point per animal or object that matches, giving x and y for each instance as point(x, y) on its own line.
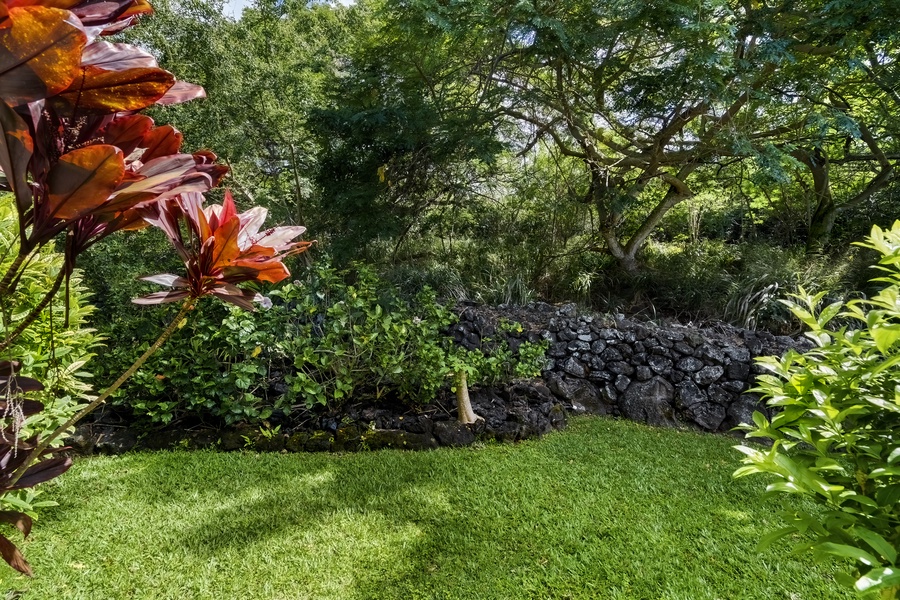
point(225, 248)
point(83, 180)
point(139, 7)
point(40, 52)
point(272, 271)
point(16, 149)
point(127, 132)
point(99, 90)
point(162, 141)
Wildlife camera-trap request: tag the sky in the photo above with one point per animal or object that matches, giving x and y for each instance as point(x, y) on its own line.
point(233, 8)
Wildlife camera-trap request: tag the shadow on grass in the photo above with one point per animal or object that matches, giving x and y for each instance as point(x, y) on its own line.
point(606, 510)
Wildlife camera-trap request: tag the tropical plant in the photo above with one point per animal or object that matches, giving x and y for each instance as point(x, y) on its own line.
point(834, 432)
point(329, 337)
point(54, 350)
point(80, 162)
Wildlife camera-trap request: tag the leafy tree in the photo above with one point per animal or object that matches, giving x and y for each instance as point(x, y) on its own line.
point(648, 95)
point(406, 134)
point(264, 74)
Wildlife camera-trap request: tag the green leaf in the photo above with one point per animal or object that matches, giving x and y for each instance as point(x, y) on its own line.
point(885, 336)
point(884, 472)
point(879, 578)
point(846, 551)
point(829, 312)
point(768, 539)
point(877, 542)
point(894, 456)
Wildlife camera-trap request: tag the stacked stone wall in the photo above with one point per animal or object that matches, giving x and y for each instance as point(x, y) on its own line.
point(662, 374)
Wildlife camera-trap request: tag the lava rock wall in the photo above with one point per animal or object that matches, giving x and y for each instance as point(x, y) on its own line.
point(659, 374)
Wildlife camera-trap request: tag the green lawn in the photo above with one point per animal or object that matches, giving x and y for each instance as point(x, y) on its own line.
point(607, 509)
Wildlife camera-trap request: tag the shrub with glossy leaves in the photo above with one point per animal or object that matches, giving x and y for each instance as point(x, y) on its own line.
point(836, 432)
point(331, 338)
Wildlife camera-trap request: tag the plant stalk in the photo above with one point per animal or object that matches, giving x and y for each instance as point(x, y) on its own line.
point(45, 443)
point(11, 273)
point(464, 411)
point(35, 312)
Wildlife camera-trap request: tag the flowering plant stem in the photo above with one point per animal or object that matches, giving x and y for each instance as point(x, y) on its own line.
point(45, 443)
point(35, 312)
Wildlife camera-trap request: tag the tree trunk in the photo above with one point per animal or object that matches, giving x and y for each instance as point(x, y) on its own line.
point(822, 220)
point(820, 225)
point(465, 414)
point(627, 253)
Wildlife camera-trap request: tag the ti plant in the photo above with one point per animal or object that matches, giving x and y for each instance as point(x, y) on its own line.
point(82, 163)
point(15, 454)
point(835, 434)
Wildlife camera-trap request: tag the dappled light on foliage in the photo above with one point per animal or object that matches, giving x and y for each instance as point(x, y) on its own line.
point(834, 433)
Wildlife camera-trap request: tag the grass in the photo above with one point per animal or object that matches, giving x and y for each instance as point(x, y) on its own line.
point(607, 509)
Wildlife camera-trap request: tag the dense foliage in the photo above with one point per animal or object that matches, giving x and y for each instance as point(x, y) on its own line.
point(56, 348)
point(326, 339)
point(586, 150)
point(835, 430)
point(81, 163)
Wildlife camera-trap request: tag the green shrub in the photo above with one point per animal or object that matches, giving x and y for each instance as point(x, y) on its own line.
point(331, 338)
point(52, 350)
point(738, 283)
point(836, 438)
point(56, 347)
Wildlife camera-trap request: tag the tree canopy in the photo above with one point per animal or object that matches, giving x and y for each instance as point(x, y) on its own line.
point(397, 129)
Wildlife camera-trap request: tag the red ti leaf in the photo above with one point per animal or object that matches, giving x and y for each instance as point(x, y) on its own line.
point(127, 132)
point(166, 279)
point(96, 13)
point(40, 53)
point(16, 149)
point(128, 17)
point(162, 297)
point(117, 57)
point(42, 471)
point(101, 91)
point(162, 141)
point(64, 4)
point(20, 384)
point(20, 521)
point(9, 368)
point(29, 407)
point(271, 271)
point(244, 299)
point(164, 177)
point(232, 250)
point(13, 557)
point(83, 180)
point(182, 91)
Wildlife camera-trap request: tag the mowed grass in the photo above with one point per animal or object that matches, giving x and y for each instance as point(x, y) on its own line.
point(606, 509)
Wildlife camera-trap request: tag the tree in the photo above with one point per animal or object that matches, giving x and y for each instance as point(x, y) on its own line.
point(264, 74)
point(648, 94)
point(404, 134)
